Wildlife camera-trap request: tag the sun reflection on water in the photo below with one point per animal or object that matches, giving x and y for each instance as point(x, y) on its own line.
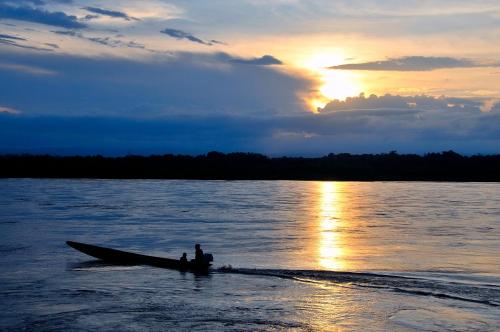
point(330, 249)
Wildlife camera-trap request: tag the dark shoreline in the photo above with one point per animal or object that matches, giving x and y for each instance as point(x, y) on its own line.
point(444, 166)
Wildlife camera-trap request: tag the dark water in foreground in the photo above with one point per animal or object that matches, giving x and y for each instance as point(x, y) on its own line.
point(305, 255)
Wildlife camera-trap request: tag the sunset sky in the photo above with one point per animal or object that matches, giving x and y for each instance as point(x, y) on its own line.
point(282, 77)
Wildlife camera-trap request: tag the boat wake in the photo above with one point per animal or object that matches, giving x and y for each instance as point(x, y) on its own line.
point(486, 294)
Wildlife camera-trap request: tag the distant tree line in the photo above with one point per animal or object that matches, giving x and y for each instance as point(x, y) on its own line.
point(444, 166)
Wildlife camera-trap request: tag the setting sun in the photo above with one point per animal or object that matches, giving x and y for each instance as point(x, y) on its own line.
point(339, 85)
point(334, 84)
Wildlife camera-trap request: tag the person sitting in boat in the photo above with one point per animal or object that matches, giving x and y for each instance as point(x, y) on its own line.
point(183, 259)
point(199, 258)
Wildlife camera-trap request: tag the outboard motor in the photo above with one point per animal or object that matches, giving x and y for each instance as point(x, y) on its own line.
point(208, 258)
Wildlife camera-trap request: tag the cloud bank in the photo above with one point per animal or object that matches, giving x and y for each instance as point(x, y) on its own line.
point(413, 63)
point(396, 102)
point(430, 128)
point(311, 135)
point(190, 83)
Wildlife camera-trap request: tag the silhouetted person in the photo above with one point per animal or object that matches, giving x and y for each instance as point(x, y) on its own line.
point(198, 256)
point(183, 259)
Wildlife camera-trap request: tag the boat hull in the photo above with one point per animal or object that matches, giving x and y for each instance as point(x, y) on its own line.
point(129, 258)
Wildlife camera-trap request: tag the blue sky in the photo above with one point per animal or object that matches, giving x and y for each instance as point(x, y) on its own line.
point(276, 77)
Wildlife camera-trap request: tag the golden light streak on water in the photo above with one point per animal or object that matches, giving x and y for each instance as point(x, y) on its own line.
point(330, 249)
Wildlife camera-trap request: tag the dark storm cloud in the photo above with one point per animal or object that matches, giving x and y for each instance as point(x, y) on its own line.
point(372, 131)
point(179, 35)
point(36, 15)
point(396, 102)
point(191, 103)
point(110, 13)
point(180, 82)
point(411, 63)
point(265, 60)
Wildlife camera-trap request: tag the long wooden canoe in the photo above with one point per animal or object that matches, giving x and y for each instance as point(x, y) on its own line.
point(130, 258)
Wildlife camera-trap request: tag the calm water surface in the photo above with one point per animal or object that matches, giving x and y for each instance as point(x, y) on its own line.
point(398, 256)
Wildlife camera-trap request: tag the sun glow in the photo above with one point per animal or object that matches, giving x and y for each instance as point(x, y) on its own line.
point(339, 85)
point(333, 84)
